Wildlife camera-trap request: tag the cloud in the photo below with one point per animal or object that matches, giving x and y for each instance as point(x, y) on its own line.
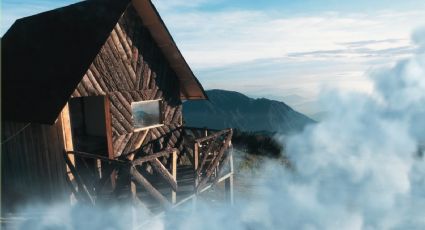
point(211, 39)
point(419, 37)
point(359, 52)
point(176, 5)
point(370, 42)
point(230, 48)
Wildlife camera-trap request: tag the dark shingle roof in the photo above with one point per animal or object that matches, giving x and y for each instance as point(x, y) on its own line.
point(45, 56)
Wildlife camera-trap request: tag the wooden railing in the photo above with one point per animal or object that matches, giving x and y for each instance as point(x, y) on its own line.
point(210, 156)
point(89, 186)
point(200, 154)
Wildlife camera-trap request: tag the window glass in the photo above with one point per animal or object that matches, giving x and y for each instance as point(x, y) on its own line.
point(146, 114)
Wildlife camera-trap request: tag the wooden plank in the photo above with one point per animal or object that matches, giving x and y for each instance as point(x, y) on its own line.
point(214, 135)
point(122, 60)
point(116, 66)
point(228, 187)
point(120, 120)
point(94, 156)
point(196, 163)
point(149, 187)
point(153, 156)
point(215, 162)
point(105, 85)
point(122, 37)
point(120, 142)
point(163, 172)
point(133, 190)
point(174, 174)
point(79, 180)
point(206, 154)
point(108, 125)
point(95, 82)
point(103, 70)
point(67, 138)
point(109, 171)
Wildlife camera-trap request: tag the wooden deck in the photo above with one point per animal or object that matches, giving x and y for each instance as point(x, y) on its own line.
point(159, 181)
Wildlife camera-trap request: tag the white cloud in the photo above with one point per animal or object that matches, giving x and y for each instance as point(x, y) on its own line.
point(211, 39)
point(233, 49)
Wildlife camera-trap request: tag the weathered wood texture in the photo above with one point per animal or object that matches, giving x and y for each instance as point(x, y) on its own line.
point(130, 67)
point(33, 168)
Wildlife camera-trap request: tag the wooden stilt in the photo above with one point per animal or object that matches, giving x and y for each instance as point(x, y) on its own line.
point(174, 173)
point(196, 163)
point(133, 191)
point(228, 183)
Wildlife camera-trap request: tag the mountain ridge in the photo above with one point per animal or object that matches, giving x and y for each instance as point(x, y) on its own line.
point(231, 109)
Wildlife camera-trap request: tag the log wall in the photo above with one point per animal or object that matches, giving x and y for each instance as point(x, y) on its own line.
point(130, 67)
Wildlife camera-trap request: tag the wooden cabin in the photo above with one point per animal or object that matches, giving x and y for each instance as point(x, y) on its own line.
point(92, 111)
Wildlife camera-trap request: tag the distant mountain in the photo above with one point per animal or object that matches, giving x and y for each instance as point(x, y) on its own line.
point(228, 109)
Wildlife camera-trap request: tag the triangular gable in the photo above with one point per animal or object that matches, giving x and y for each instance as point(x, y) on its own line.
point(45, 56)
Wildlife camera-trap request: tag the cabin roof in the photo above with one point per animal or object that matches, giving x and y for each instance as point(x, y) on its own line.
point(45, 56)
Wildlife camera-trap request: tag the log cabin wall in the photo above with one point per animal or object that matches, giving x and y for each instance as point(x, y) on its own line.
point(33, 168)
point(130, 67)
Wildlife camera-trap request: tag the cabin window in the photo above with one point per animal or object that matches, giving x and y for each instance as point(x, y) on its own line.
point(146, 114)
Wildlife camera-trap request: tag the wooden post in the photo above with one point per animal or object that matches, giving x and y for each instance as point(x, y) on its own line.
point(108, 125)
point(228, 183)
point(68, 143)
point(196, 162)
point(174, 173)
point(133, 191)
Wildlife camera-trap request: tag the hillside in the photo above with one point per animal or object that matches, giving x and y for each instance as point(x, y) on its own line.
point(228, 109)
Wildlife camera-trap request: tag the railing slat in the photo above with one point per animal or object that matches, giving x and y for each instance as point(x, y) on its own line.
point(148, 186)
point(153, 156)
point(163, 172)
point(215, 161)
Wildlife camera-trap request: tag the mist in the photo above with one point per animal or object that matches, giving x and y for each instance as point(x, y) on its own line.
point(360, 168)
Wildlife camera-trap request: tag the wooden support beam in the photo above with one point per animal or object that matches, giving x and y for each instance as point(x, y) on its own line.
point(228, 183)
point(65, 119)
point(153, 156)
point(174, 174)
point(81, 187)
point(148, 186)
point(228, 187)
point(206, 153)
point(78, 196)
point(216, 161)
point(93, 156)
point(133, 190)
point(163, 172)
point(196, 162)
point(108, 172)
point(202, 139)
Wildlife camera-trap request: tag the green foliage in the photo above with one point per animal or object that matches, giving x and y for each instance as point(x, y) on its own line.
point(258, 143)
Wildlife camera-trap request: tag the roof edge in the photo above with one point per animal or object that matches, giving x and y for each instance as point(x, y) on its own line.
point(162, 36)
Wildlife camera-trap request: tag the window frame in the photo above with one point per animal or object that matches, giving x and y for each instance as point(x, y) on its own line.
point(161, 115)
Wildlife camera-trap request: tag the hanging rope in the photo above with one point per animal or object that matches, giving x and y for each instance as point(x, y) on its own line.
point(16, 134)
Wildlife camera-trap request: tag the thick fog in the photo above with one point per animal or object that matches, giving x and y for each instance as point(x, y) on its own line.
point(361, 168)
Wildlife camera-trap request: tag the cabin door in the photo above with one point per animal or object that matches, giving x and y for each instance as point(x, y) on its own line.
point(91, 133)
point(89, 124)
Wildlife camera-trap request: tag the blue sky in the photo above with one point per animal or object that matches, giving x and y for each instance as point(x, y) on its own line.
point(282, 49)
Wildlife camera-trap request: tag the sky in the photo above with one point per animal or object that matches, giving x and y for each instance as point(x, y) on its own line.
point(280, 49)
